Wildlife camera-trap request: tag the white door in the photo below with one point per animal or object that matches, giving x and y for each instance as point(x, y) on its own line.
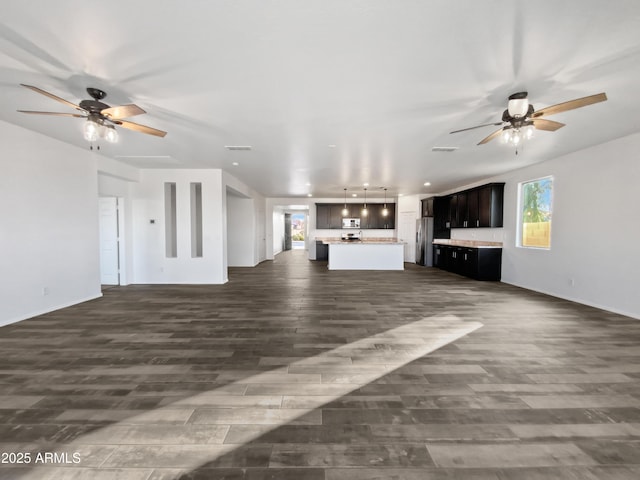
point(407, 234)
point(109, 258)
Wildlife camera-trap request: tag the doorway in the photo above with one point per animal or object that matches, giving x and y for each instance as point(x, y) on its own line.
point(407, 234)
point(298, 230)
point(109, 224)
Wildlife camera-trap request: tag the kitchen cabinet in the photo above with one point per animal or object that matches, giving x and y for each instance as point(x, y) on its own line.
point(323, 216)
point(377, 220)
point(336, 216)
point(427, 207)
point(452, 220)
point(441, 228)
point(474, 208)
point(322, 251)
point(462, 210)
point(476, 263)
point(329, 215)
point(439, 259)
point(490, 205)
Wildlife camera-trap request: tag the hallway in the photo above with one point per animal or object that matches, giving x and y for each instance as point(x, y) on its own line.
point(290, 371)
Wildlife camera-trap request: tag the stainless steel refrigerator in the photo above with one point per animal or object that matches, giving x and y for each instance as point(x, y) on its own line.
point(424, 241)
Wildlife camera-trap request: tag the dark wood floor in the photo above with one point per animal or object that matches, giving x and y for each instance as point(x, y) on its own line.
point(293, 372)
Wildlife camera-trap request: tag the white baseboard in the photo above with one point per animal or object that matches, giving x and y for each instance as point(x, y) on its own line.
point(9, 321)
point(578, 300)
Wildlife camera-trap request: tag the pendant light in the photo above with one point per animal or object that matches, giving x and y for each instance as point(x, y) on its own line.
point(385, 210)
point(345, 211)
point(365, 212)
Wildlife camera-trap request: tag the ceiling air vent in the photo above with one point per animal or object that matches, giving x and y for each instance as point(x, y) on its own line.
point(238, 147)
point(444, 149)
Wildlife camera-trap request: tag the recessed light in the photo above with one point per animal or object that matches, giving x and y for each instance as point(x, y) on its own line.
point(354, 194)
point(426, 184)
point(401, 194)
point(332, 146)
point(365, 184)
point(308, 184)
point(309, 195)
point(235, 164)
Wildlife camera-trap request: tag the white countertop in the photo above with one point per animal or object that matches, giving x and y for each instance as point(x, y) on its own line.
point(467, 243)
point(364, 241)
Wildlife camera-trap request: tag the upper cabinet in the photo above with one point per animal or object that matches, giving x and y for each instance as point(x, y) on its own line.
point(474, 208)
point(490, 202)
point(377, 219)
point(427, 207)
point(329, 215)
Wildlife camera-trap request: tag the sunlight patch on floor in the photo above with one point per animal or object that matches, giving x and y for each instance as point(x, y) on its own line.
point(260, 400)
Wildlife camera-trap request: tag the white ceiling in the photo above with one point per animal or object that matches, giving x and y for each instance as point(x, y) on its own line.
point(382, 80)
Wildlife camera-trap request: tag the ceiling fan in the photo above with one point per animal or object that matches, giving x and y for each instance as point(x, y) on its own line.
point(520, 118)
point(100, 117)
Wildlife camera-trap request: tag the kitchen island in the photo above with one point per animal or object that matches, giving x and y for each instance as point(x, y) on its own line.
point(365, 254)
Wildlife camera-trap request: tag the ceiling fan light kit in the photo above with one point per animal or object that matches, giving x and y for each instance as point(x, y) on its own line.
point(95, 128)
point(100, 117)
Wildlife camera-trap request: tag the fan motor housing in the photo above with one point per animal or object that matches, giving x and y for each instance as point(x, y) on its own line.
point(93, 106)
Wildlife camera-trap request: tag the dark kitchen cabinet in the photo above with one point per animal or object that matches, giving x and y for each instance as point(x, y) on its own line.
point(476, 263)
point(441, 228)
point(323, 216)
point(453, 211)
point(439, 256)
point(336, 216)
point(462, 210)
point(490, 205)
point(322, 251)
point(329, 215)
point(380, 221)
point(427, 205)
point(474, 208)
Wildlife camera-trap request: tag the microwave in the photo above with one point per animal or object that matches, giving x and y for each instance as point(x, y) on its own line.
point(350, 223)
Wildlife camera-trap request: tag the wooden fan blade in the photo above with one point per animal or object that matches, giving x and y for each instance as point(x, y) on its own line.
point(53, 113)
point(548, 125)
point(570, 105)
point(51, 95)
point(140, 128)
point(490, 137)
point(495, 124)
point(122, 111)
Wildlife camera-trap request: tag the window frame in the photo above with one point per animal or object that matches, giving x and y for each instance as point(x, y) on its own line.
point(520, 213)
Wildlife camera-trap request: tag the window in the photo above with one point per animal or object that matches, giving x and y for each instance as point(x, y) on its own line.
point(535, 213)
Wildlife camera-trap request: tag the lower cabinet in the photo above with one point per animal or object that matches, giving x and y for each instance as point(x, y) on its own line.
point(476, 263)
point(322, 251)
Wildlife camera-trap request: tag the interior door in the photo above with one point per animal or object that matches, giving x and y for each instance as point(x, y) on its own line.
point(407, 234)
point(109, 258)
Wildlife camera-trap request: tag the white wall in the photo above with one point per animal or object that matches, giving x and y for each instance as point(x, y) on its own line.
point(48, 225)
point(150, 264)
point(258, 202)
point(241, 231)
point(278, 230)
point(594, 233)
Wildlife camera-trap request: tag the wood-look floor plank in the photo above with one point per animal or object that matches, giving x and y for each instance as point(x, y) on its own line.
point(291, 371)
